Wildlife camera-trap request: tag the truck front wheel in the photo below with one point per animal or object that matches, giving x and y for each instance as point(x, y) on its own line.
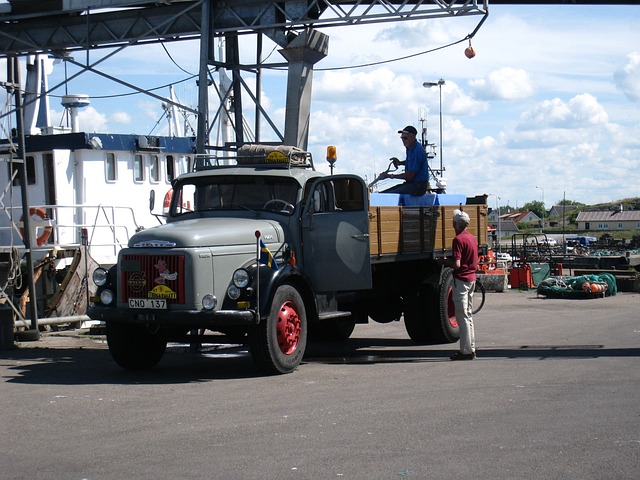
point(278, 343)
point(135, 347)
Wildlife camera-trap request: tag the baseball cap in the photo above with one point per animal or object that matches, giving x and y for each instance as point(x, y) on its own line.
point(409, 129)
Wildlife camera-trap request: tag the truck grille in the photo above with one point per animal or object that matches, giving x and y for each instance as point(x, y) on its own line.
point(152, 276)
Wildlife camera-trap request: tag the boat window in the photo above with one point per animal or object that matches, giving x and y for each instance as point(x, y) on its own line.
point(184, 164)
point(154, 168)
point(176, 167)
point(138, 168)
point(31, 171)
point(111, 167)
point(255, 193)
point(170, 168)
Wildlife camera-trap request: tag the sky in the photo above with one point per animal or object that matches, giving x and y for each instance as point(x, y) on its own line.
point(548, 109)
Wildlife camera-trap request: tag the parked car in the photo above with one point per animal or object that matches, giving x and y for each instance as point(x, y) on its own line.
point(503, 257)
point(549, 241)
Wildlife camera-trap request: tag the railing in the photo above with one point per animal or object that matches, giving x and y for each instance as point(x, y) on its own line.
point(100, 229)
point(108, 228)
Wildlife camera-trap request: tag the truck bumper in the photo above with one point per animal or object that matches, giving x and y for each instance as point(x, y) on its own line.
point(181, 318)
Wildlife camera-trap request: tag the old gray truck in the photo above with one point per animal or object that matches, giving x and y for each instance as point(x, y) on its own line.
point(265, 250)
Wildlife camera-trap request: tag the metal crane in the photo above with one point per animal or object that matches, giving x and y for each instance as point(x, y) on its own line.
point(65, 26)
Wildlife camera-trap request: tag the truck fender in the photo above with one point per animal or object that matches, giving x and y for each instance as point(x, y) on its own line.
point(271, 279)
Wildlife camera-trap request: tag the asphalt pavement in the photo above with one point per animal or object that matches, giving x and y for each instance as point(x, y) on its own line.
point(553, 394)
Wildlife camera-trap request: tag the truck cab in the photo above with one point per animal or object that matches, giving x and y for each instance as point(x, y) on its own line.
point(222, 218)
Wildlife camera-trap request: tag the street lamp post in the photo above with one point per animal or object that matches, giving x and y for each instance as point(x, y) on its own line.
point(439, 84)
point(499, 227)
point(542, 229)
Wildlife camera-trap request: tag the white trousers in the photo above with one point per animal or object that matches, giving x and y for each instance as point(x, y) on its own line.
point(463, 301)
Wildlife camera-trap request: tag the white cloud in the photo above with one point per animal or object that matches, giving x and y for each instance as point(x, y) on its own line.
point(374, 87)
point(91, 120)
point(120, 117)
point(628, 77)
point(503, 84)
point(422, 34)
point(580, 111)
point(457, 102)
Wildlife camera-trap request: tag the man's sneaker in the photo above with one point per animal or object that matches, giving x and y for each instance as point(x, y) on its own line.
point(464, 356)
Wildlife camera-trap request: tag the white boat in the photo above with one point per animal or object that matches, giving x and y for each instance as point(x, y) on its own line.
point(87, 194)
point(98, 182)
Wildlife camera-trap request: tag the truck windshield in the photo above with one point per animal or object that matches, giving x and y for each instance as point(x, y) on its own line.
point(257, 193)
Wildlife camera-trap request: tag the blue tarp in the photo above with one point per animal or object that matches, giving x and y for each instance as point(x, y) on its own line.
point(427, 200)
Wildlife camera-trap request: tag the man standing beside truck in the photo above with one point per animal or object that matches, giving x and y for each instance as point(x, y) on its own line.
point(464, 261)
point(416, 171)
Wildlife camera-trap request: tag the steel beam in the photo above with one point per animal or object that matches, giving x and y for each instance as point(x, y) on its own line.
point(66, 30)
point(302, 53)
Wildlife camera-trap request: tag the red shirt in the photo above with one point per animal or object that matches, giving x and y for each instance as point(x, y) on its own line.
point(465, 248)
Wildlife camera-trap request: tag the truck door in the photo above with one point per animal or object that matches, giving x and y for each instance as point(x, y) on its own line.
point(335, 234)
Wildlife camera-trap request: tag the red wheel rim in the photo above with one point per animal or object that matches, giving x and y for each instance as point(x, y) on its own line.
point(451, 310)
point(288, 328)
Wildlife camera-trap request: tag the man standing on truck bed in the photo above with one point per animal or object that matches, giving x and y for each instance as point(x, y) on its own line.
point(464, 261)
point(416, 171)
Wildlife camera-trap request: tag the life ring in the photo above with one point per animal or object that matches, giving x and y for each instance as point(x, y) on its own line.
point(167, 202)
point(47, 229)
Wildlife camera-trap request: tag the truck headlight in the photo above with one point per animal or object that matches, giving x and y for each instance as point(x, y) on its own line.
point(233, 292)
point(100, 276)
point(241, 278)
point(209, 302)
point(106, 297)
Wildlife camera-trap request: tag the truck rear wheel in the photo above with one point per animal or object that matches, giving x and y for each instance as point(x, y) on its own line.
point(448, 330)
point(278, 343)
point(135, 347)
point(429, 313)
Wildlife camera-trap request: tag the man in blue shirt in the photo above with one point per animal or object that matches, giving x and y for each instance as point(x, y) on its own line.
point(416, 170)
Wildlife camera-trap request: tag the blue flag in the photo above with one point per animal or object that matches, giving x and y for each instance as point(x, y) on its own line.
point(266, 258)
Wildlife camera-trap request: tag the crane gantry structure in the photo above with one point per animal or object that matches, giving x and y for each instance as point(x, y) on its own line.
point(81, 24)
point(61, 27)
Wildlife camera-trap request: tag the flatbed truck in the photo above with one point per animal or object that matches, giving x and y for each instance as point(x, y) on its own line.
point(268, 251)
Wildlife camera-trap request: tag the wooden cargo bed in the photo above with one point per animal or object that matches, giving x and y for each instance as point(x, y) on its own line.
point(420, 230)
